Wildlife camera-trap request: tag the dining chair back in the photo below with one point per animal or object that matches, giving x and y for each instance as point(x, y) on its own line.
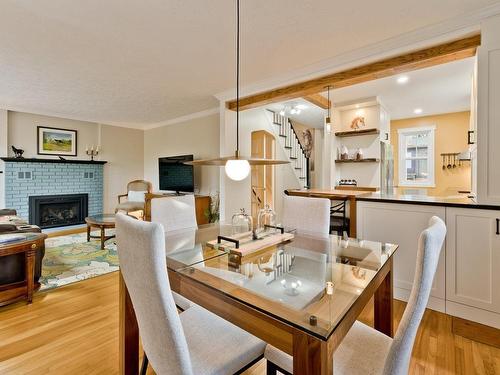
point(306, 214)
point(174, 213)
point(430, 243)
point(141, 252)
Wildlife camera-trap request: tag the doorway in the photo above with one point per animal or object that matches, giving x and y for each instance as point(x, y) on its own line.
point(262, 176)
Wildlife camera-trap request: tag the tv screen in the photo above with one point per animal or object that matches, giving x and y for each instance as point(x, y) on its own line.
point(175, 175)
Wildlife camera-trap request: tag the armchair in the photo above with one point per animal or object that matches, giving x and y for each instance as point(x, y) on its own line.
point(134, 200)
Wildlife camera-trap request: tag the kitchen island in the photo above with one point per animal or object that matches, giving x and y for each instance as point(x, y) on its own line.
point(459, 200)
point(468, 273)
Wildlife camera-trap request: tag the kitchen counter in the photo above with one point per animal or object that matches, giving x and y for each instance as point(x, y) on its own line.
point(422, 199)
point(335, 194)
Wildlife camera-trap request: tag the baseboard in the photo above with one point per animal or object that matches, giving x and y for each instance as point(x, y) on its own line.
point(476, 331)
point(64, 232)
point(436, 304)
point(473, 314)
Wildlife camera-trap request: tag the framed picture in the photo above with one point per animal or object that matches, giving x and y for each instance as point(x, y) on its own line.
point(54, 141)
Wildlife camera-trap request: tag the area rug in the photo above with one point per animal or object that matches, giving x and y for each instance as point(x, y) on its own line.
point(71, 258)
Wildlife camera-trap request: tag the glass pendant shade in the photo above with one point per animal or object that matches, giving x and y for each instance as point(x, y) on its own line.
point(237, 169)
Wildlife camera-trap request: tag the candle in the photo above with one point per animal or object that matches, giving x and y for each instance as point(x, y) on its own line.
point(86, 148)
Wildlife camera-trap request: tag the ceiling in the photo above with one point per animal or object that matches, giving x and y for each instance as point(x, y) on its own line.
point(440, 89)
point(142, 62)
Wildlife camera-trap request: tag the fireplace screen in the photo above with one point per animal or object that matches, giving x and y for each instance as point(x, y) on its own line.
point(48, 211)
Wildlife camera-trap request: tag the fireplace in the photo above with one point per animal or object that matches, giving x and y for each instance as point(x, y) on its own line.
point(48, 211)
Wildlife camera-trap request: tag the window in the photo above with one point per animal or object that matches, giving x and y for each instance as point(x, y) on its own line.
point(416, 156)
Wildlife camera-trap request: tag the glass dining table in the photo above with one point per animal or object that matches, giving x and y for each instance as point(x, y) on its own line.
point(301, 296)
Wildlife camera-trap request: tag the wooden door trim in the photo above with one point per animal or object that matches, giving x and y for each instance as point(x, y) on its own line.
point(422, 58)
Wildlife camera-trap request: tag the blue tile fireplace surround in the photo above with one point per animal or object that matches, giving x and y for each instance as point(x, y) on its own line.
point(53, 178)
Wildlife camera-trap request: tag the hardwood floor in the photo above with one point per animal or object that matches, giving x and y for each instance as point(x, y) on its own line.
point(74, 330)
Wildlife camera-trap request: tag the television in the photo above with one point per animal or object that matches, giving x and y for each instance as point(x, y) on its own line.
point(175, 175)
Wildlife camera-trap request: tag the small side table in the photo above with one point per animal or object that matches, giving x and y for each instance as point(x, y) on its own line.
point(103, 222)
point(22, 289)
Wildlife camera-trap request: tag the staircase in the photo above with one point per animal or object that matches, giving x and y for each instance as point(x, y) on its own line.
point(293, 149)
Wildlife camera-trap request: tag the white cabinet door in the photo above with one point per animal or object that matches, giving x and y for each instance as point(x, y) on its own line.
point(402, 224)
point(473, 258)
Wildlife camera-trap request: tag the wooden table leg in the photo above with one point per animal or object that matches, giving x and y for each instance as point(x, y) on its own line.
point(30, 272)
point(88, 233)
point(383, 304)
point(129, 334)
point(352, 217)
point(103, 237)
point(310, 356)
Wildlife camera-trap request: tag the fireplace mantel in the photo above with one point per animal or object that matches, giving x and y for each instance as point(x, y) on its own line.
point(39, 160)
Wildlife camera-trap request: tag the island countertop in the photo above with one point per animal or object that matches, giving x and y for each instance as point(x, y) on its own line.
point(458, 200)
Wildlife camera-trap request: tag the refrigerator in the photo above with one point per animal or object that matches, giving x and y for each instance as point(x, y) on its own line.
point(386, 168)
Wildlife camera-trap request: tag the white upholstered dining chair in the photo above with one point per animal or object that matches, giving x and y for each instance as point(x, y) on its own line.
point(306, 214)
point(174, 213)
point(192, 342)
point(365, 350)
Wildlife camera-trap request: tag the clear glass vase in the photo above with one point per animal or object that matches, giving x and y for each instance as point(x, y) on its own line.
point(241, 222)
point(267, 216)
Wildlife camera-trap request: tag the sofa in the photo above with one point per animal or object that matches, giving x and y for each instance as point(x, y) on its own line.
point(12, 267)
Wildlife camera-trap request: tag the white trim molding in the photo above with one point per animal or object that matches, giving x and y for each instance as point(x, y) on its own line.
point(402, 133)
point(177, 120)
point(453, 28)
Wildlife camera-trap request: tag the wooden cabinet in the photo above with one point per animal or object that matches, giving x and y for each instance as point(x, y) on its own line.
point(402, 224)
point(202, 203)
point(473, 259)
point(24, 289)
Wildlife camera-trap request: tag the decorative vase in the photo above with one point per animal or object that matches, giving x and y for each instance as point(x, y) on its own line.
point(241, 222)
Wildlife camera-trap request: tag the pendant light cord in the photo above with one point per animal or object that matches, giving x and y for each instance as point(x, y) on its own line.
point(329, 103)
point(237, 76)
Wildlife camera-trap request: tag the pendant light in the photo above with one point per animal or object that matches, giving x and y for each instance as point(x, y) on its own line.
point(328, 120)
point(237, 167)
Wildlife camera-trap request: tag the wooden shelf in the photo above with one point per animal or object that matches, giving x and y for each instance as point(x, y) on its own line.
point(354, 133)
point(366, 160)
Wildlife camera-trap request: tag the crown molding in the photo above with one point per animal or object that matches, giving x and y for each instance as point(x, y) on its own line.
point(454, 28)
point(191, 116)
point(69, 117)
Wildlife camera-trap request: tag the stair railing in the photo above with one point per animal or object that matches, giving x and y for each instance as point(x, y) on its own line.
point(293, 144)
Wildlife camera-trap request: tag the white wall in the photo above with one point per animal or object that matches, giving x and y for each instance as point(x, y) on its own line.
point(237, 194)
point(488, 113)
point(123, 148)
point(198, 136)
point(3, 152)
point(22, 133)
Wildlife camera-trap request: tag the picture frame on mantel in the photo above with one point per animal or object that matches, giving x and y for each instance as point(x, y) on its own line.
point(56, 141)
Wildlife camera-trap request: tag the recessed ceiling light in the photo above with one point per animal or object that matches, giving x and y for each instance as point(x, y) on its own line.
point(417, 111)
point(357, 105)
point(301, 106)
point(403, 79)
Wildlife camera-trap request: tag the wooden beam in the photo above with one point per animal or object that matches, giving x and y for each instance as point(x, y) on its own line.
point(318, 100)
point(436, 55)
